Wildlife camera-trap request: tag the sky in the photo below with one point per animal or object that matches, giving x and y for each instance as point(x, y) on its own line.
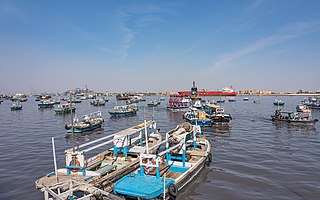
point(119, 46)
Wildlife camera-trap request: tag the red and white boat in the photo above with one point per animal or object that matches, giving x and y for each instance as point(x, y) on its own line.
point(225, 92)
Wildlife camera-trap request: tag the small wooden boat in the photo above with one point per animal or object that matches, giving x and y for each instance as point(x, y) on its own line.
point(46, 103)
point(303, 108)
point(217, 114)
point(153, 103)
point(116, 160)
point(65, 108)
point(197, 104)
point(123, 97)
point(256, 101)
point(197, 117)
point(16, 106)
point(221, 100)
point(293, 117)
point(98, 102)
point(278, 102)
point(76, 100)
point(87, 123)
point(123, 111)
point(232, 99)
point(162, 176)
point(178, 103)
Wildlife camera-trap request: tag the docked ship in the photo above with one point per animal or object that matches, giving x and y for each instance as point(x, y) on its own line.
point(225, 92)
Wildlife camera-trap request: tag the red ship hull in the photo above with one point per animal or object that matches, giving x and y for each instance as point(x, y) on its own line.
point(209, 93)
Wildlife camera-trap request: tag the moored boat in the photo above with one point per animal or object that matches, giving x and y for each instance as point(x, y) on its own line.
point(293, 117)
point(46, 103)
point(232, 99)
point(65, 108)
point(16, 106)
point(196, 117)
point(178, 103)
point(303, 108)
point(101, 170)
point(217, 114)
point(278, 102)
point(87, 123)
point(162, 176)
point(246, 99)
point(123, 111)
point(98, 102)
point(153, 103)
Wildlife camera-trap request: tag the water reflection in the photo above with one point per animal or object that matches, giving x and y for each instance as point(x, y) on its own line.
point(220, 130)
point(295, 128)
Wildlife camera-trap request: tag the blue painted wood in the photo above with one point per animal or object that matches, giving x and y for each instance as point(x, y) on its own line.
point(178, 169)
point(145, 187)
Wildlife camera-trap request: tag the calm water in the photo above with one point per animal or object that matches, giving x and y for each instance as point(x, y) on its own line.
point(253, 157)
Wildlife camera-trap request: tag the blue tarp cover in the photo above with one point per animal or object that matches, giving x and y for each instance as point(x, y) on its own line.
point(146, 186)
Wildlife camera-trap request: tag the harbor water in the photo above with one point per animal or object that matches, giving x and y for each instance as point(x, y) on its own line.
point(253, 157)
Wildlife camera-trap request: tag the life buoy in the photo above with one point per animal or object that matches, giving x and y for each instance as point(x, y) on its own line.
point(149, 170)
point(173, 190)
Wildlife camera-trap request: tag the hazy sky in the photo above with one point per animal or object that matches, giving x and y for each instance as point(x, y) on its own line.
point(159, 45)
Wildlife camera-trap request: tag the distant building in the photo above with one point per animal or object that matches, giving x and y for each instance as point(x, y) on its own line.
point(255, 92)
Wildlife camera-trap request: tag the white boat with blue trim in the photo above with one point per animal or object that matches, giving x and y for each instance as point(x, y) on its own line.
point(163, 175)
point(93, 177)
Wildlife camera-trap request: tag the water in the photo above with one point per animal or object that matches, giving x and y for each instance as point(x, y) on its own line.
point(253, 157)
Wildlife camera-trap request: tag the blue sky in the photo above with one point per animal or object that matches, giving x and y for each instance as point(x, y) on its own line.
point(159, 45)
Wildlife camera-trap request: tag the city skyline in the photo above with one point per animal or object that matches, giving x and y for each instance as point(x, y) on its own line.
point(120, 46)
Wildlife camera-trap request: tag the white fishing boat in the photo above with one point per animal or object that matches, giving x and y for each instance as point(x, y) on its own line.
point(119, 156)
point(163, 175)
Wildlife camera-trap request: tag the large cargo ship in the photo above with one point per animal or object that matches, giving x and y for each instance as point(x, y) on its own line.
point(225, 92)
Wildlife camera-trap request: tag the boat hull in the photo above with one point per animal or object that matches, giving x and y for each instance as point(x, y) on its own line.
point(122, 114)
point(86, 129)
point(46, 105)
point(313, 121)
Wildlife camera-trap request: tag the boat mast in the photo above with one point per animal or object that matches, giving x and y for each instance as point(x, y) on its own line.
point(145, 130)
point(72, 125)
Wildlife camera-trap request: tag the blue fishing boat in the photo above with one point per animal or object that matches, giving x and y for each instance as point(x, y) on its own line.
point(163, 175)
point(197, 117)
point(46, 104)
point(87, 123)
point(118, 156)
point(123, 111)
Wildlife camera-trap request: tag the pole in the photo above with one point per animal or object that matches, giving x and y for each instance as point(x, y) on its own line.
point(145, 131)
point(164, 186)
point(55, 161)
point(72, 126)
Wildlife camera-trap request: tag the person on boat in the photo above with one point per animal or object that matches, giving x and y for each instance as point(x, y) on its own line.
point(74, 162)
